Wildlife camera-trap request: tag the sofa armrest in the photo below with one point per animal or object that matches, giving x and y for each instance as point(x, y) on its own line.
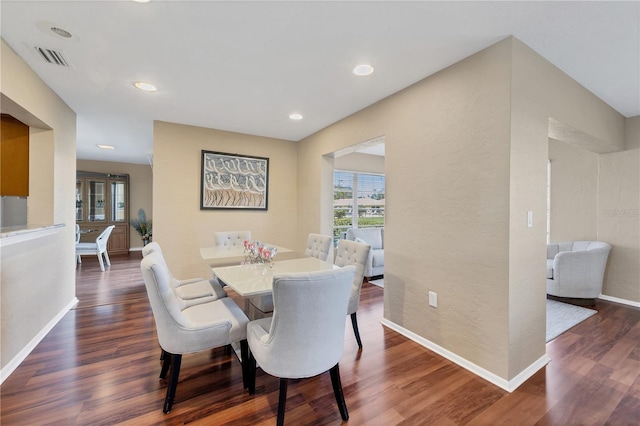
point(368, 269)
point(580, 268)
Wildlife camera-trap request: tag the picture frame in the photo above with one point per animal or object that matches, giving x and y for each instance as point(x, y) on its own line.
point(233, 181)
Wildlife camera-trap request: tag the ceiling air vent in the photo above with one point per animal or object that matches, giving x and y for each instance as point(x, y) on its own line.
point(55, 57)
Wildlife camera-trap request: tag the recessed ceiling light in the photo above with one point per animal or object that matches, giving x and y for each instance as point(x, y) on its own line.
point(105, 146)
point(143, 85)
point(61, 32)
point(142, 1)
point(363, 69)
point(295, 116)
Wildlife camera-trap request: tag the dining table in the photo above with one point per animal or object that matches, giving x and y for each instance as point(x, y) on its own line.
point(253, 279)
point(233, 255)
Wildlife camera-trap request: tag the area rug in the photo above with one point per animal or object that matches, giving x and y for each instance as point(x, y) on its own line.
point(379, 283)
point(562, 316)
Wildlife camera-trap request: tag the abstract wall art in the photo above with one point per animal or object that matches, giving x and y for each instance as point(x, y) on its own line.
point(233, 181)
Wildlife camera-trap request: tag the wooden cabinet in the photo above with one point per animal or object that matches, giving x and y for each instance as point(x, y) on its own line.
point(14, 157)
point(103, 200)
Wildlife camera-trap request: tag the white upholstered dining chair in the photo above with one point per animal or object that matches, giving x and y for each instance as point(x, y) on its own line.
point(99, 247)
point(318, 246)
point(184, 330)
point(191, 291)
point(356, 254)
point(231, 238)
point(305, 336)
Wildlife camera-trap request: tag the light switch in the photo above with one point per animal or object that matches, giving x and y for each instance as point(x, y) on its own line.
point(529, 219)
point(433, 299)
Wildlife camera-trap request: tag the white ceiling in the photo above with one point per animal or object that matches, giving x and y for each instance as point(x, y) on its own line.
point(245, 66)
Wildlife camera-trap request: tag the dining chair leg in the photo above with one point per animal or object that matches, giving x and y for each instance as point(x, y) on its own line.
point(244, 355)
point(282, 401)
point(101, 262)
point(166, 363)
point(251, 370)
point(106, 257)
point(337, 391)
point(176, 360)
point(354, 323)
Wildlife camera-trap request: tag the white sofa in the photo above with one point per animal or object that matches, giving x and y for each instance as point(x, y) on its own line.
point(375, 238)
point(575, 269)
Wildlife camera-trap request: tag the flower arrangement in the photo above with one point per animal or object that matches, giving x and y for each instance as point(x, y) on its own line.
point(143, 227)
point(255, 252)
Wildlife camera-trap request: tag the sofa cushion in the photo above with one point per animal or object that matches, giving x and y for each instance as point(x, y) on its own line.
point(550, 268)
point(371, 236)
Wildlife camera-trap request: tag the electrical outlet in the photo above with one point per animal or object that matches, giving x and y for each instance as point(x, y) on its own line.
point(433, 299)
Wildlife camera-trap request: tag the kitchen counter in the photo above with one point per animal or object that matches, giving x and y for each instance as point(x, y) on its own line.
point(17, 234)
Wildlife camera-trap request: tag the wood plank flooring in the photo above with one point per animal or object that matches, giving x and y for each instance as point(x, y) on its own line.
point(100, 366)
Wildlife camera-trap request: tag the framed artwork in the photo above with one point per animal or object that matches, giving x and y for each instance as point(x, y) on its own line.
point(233, 181)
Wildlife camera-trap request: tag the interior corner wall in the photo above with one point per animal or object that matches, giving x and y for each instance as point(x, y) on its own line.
point(447, 202)
point(32, 300)
point(181, 228)
point(140, 189)
point(540, 91)
point(574, 193)
point(619, 216)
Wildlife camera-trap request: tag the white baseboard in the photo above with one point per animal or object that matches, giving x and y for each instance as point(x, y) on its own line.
point(508, 385)
point(22, 355)
point(618, 300)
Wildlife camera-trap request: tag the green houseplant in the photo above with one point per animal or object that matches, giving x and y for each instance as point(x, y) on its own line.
point(143, 227)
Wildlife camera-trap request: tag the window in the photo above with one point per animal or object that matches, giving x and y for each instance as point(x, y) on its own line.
point(358, 201)
point(548, 201)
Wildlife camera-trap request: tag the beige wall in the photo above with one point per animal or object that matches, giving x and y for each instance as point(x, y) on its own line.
point(447, 205)
point(31, 299)
point(466, 158)
point(140, 188)
point(632, 133)
point(358, 162)
point(541, 93)
point(179, 225)
point(574, 192)
point(596, 197)
point(619, 216)
point(41, 154)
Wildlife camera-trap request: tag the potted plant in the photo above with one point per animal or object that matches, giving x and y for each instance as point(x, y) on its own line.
point(143, 227)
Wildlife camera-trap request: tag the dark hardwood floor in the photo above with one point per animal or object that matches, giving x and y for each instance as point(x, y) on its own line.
point(100, 366)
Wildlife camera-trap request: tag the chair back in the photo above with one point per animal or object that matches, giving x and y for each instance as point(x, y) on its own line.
point(103, 238)
point(151, 247)
point(231, 238)
point(77, 233)
point(356, 254)
point(176, 333)
point(154, 247)
point(306, 336)
point(318, 246)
